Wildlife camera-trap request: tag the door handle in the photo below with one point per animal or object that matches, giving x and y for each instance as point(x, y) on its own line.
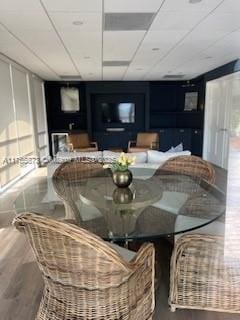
point(223, 129)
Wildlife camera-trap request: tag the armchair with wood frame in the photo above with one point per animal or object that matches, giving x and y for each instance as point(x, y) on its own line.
point(145, 141)
point(81, 142)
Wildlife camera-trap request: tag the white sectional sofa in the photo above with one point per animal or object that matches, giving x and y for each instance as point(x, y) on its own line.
point(150, 159)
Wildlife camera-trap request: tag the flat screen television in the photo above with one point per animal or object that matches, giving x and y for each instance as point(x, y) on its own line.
point(123, 112)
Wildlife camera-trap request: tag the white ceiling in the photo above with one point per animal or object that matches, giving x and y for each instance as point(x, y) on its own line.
point(183, 38)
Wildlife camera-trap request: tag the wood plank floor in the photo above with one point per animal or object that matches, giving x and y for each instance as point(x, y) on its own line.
point(21, 283)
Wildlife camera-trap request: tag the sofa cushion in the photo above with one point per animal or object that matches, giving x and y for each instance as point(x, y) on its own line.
point(178, 148)
point(110, 156)
point(80, 155)
point(161, 157)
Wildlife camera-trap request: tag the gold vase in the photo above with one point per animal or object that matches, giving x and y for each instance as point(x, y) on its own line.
point(122, 179)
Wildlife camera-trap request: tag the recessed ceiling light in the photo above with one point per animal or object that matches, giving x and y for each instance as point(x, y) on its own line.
point(194, 1)
point(78, 23)
point(155, 49)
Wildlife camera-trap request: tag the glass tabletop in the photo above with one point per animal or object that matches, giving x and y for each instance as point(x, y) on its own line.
point(154, 205)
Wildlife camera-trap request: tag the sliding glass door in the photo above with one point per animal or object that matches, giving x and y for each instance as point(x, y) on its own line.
point(9, 146)
point(23, 124)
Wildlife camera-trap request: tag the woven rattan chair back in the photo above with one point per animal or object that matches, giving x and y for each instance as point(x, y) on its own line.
point(84, 277)
point(68, 180)
point(191, 165)
point(202, 277)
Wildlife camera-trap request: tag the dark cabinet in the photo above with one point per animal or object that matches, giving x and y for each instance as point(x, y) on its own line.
point(182, 136)
point(190, 138)
point(165, 139)
point(197, 142)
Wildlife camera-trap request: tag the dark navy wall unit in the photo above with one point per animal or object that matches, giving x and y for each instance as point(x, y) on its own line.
point(159, 108)
point(167, 115)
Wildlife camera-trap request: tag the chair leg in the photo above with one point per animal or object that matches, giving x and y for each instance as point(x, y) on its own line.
point(173, 308)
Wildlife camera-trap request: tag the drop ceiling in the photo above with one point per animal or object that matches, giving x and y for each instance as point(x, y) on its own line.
point(120, 39)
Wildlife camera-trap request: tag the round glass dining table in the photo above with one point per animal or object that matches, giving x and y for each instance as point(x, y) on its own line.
point(156, 204)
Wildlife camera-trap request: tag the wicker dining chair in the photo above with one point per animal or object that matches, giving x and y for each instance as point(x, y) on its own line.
point(202, 277)
point(84, 277)
point(191, 165)
point(68, 180)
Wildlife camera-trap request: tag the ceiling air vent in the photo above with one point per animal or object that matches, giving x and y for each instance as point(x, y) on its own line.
point(71, 78)
point(116, 63)
point(174, 76)
point(128, 21)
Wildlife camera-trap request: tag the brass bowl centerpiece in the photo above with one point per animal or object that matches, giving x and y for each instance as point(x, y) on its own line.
point(122, 179)
point(122, 176)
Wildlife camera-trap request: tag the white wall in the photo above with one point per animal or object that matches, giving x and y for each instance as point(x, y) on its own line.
point(23, 126)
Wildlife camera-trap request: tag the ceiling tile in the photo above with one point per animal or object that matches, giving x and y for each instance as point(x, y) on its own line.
point(229, 46)
point(91, 73)
point(146, 58)
point(49, 48)
point(92, 77)
point(173, 60)
point(201, 40)
point(91, 21)
point(121, 45)
point(220, 22)
point(163, 39)
point(174, 20)
point(82, 45)
point(132, 5)
point(155, 76)
point(20, 5)
point(202, 66)
point(185, 5)
point(13, 49)
point(113, 73)
point(31, 21)
point(73, 5)
point(36, 32)
point(229, 6)
point(135, 73)
point(155, 46)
